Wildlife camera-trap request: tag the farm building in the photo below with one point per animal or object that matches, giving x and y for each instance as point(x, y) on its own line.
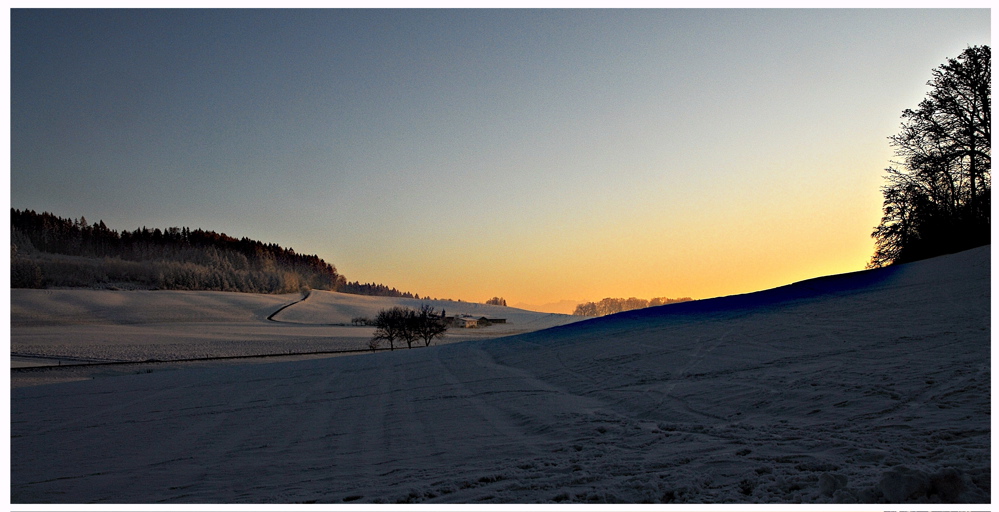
point(470, 322)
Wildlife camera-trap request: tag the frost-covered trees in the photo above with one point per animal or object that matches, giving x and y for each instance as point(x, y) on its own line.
point(938, 196)
point(68, 252)
point(405, 324)
point(609, 306)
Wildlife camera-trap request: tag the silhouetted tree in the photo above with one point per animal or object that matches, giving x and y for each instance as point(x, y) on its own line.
point(361, 320)
point(410, 325)
point(430, 324)
point(379, 290)
point(399, 323)
point(497, 301)
point(938, 196)
point(391, 324)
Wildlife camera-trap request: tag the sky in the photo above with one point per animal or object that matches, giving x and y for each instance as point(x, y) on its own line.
point(536, 155)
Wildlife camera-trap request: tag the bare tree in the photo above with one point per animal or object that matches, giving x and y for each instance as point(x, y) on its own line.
point(938, 196)
point(430, 324)
point(399, 323)
point(410, 327)
point(390, 325)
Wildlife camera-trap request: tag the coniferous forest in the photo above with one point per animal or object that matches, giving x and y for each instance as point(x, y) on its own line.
point(50, 251)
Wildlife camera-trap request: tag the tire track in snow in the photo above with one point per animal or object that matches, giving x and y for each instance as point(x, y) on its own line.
point(374, 433)
point(492, 415)
point(699, 354)
point(237, 433)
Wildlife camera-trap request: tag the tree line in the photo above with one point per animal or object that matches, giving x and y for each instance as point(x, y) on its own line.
point(407, 325)
point(609, 306)
point(937, 199)
point(379, 290)
point(47, 250)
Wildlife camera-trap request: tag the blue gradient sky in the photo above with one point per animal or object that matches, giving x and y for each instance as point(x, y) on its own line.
point(537, 155)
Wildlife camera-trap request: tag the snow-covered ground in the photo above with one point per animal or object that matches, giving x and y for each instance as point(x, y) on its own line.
point(78, 325)
point(871, 387)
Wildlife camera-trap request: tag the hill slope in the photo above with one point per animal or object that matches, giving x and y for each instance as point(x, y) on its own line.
point(76, 325)
point(868, 387)
point(334, 307)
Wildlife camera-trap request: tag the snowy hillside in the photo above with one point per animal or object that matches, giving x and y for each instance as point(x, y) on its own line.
point(332, 307)
point(80, 325)
point(871, 387)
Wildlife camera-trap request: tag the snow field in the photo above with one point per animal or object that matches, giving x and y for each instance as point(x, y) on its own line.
point(866, 388)
point(104, 325)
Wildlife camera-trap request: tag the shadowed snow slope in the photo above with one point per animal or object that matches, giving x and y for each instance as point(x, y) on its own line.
point(867, 387)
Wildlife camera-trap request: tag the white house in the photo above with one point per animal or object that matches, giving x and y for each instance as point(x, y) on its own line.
point(464, 321)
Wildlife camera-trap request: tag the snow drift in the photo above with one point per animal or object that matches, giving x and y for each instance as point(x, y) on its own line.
point(871, 387)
